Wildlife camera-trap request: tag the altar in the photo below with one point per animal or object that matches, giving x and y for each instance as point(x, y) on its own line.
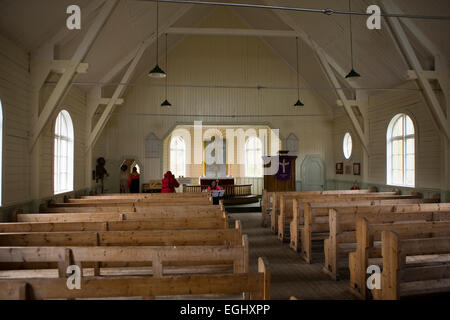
point(221, 181)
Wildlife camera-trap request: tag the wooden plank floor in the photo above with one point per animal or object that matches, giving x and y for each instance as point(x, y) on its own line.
point(291, 276)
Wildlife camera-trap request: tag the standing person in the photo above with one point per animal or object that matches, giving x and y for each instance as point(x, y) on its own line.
point(124, 179)
point(133, 181)
point(100, 173)
point(169, 183)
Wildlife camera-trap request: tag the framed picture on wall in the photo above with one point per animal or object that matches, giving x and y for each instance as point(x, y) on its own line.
point(340, 168)
point(348, 169)
point(357, 169)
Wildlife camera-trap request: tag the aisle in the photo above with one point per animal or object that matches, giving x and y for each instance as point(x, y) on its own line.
point(291, 276)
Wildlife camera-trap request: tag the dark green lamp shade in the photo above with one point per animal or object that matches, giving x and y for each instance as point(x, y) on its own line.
point(353, 74)
point(157, 72)
point(166, 104)
point(298, 104)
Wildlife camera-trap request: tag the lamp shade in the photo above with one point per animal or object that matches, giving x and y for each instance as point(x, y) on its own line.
point(166, 103)
point(157, 72)
point(353, 74)
point(298, 103)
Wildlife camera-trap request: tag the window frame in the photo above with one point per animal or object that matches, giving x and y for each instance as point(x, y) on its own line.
point(246, 162)
point(347, 137)
point(171, 157)
point(58, 137)
point(404, 137)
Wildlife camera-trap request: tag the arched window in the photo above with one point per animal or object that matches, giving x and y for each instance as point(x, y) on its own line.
point(178, 156)
point(253, 158)
point(63, 159)
point(347, 146)
point(401, 151)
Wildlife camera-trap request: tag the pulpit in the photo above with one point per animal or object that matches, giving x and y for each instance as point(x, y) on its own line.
point(284, 178)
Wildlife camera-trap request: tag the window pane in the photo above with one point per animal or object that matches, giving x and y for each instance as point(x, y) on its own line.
point(397, 130)
point(409, 126)
point(410, 146)
point(397, 147)
point(410, 177)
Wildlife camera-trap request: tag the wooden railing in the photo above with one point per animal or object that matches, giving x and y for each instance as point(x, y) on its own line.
point(230, 191)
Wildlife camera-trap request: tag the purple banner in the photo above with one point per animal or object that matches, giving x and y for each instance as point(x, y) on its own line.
point(284, 169)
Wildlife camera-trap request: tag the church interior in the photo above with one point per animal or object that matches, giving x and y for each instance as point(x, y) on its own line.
point(233, 149)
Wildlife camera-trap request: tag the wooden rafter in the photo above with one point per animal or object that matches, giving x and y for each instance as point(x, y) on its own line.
point(422, 75)
point(64, 82)
point(120, 89)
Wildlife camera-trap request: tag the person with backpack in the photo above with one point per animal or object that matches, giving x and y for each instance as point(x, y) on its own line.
point(169, 183)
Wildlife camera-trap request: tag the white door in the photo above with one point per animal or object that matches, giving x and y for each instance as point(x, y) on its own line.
point(313, 173)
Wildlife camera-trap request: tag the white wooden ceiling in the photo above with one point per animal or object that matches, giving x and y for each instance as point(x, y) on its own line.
point(29, 23)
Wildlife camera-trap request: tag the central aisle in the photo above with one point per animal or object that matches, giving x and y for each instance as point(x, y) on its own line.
point(291, 276)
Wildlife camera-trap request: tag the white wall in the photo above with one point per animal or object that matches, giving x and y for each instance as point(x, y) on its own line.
point(75, 104)
point(215, 60)
point(14, 95)
point(382, 108)
point(15, 84)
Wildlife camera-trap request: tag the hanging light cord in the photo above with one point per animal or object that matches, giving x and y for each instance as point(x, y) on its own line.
point(157, 31)
point(167, 65)
point(298, 71)
point(351, 32)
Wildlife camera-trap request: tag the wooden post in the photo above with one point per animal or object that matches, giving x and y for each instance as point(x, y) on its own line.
point(263, 267)
point(389, 276)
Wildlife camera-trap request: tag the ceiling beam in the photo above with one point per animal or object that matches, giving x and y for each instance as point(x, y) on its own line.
point(64, 82)
point(233, 32)
point(347, 104)
point(61, 36)
point(422, 79)
point(120, 89)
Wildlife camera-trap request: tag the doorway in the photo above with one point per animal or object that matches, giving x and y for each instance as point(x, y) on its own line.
point(313, 173)
point(128, 165)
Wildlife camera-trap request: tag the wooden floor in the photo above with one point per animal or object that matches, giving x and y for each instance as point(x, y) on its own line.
point(291, 276)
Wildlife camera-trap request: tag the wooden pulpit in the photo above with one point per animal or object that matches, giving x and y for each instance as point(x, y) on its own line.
point(284, 179)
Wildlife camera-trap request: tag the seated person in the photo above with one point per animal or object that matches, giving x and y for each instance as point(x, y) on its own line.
point(215, 187)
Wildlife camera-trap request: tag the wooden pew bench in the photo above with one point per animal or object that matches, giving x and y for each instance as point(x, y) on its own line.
point(251, 285)
point(277, 201)
point(368, 246)
point(400, 278)
point(135, 208)
point(117, 260)
point(342, 236)
point(287, 206)
point(169, 216)
point(124, 225)
point(315, 217)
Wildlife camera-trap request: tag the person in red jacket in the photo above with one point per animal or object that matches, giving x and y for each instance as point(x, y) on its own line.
point(169, 183)
point(133, 181)
point(214, 186)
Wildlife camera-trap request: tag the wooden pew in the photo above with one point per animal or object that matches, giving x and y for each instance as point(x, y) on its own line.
point(399, 279)
point(276, 200)
point(125, 225)
point(135, 208)
point(266, 206)
point(342, 225)
point(120, 196)
point(162, 259)
point(257, 285)
point(124, 238)
point(287, 207)
point(125, 205)
point(169, 216)
point(368, 235)
point(315, 217)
